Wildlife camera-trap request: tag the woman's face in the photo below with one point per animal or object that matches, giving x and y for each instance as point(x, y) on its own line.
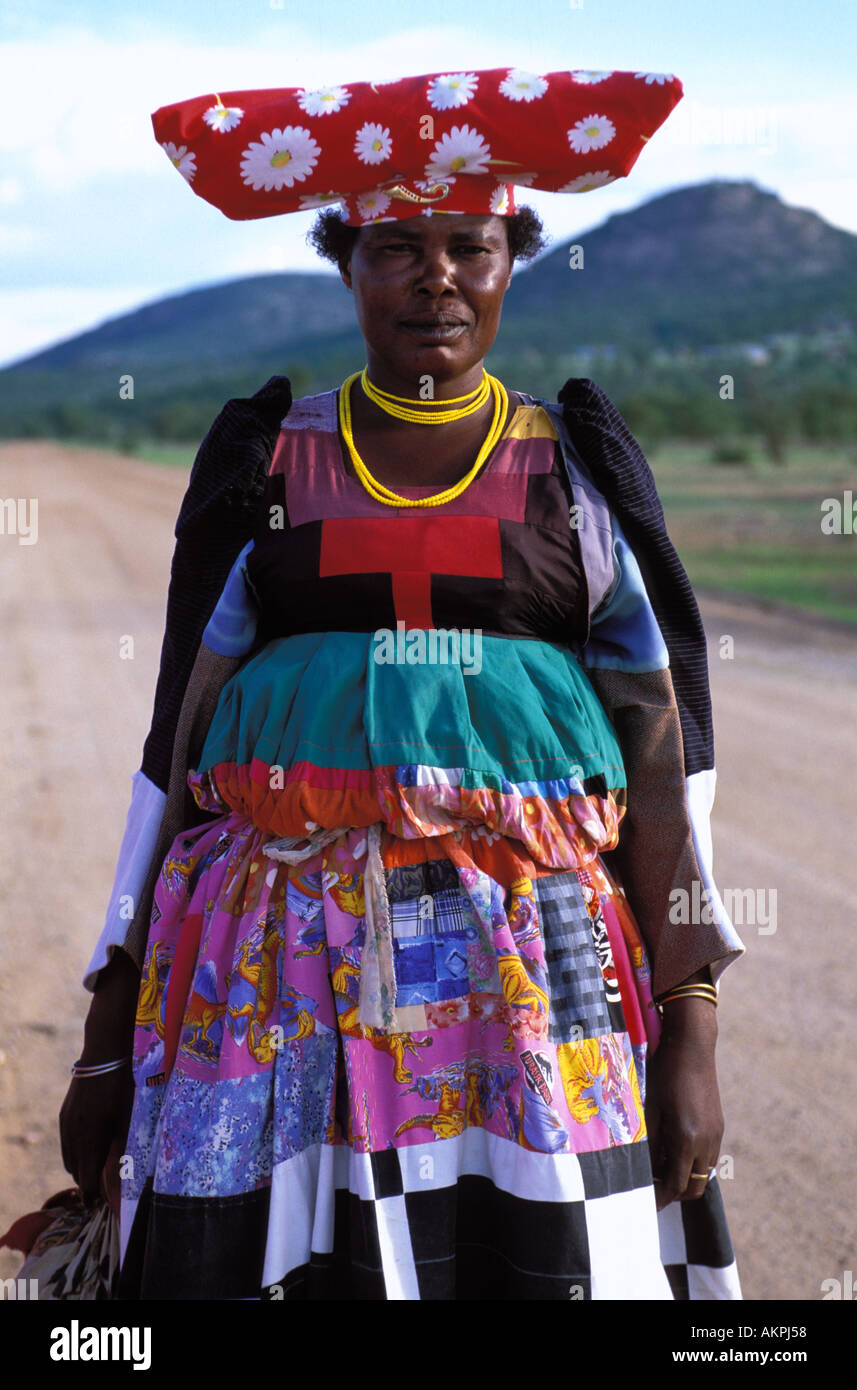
point(428, 293)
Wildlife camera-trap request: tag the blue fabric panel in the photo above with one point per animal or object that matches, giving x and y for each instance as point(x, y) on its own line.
point(231, 629)
point(624, 635)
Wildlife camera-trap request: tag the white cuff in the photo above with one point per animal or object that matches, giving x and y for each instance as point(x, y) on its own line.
point(700, 799)
point(142, 825)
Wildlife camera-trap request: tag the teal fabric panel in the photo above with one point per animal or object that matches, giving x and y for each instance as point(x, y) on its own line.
point(299, 699)
point(528, 714)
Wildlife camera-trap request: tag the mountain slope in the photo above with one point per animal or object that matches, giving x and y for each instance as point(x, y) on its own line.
point(717, 263)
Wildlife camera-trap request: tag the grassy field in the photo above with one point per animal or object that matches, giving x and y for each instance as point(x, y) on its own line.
point(148, 451)
point(752, 529)
point(755, 528)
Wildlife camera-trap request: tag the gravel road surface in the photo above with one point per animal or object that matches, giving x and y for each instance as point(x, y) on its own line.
point(73, 715)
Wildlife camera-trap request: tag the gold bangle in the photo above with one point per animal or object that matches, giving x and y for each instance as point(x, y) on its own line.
point(688, 994)
point(690, 989)
point(689, 984)
point(679, 992)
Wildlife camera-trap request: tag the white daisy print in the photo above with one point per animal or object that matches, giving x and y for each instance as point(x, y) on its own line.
point(525, 180)
point(591, 133)
point(499, 200)
point(279, 158)
point(318, 200)
point(223, 118)
point(519, 85)
point(183, 158)
point(373, 144)
point(372, 205)
point(584, 182)
point(455, 89)
point(433, 185)
point(322, 100)
point(460, 151)
point(659, 77)
point(587, 77)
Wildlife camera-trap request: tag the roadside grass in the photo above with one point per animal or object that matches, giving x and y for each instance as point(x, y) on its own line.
point(755, 528)
point(168, 455)
point(751, 529)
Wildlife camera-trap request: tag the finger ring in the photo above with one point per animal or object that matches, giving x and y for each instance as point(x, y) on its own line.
point(704, 1177)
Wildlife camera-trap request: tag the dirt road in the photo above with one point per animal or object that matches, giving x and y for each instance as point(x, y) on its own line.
point(73, 715)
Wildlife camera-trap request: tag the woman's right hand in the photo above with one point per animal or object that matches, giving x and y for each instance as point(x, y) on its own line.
point(94, 1116)
point(97, 1109)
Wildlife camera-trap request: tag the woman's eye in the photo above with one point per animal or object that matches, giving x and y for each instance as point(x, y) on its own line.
point(408, 246)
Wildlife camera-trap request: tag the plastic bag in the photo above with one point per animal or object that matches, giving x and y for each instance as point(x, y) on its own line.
point(72, 1251)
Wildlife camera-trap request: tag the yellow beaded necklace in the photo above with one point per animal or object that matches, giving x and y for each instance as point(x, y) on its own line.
point(385, 494)
point(403, 408)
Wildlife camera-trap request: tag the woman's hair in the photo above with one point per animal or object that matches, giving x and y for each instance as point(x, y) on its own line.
point(334, 239)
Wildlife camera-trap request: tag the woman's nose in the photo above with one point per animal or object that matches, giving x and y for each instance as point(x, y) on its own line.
point(436, 269)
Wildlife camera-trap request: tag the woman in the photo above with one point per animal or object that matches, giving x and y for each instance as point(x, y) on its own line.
point(394, 1012)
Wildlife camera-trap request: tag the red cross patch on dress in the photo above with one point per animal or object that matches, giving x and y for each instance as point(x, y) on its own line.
point(411, 549)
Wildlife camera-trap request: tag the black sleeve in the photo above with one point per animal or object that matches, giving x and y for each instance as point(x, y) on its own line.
point(216, 520)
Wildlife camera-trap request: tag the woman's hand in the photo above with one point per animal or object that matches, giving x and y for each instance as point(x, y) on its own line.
point(683, 1113)
point(97, 1109)
point(93, 1122)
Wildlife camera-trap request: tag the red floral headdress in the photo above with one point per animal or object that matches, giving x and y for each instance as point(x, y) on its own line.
point(440, 142)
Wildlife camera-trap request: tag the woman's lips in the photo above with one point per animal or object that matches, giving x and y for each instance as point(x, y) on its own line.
point(440, 328)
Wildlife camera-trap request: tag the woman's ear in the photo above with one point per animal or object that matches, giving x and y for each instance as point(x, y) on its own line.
point(345, 273)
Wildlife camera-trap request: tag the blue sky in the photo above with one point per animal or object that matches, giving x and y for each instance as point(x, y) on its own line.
point(93, 222)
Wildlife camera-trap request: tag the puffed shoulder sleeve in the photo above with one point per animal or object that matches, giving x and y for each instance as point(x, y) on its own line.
point(211, 624)
point(155, 816)
point(664, 855)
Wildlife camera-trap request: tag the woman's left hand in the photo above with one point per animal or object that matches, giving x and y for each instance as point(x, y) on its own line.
point(683, 1113)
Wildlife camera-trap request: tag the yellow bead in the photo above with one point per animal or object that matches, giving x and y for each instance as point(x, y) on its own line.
point(421, 413)
point(385, 494)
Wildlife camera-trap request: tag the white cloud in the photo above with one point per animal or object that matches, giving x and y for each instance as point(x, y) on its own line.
point(32, 319)
point(273, 251)
point(834, 199)
point(22, 240)
point(10, 192)
point(88, 113)
point(77, 104)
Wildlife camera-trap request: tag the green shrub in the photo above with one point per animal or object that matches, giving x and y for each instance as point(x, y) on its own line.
point(732, 451)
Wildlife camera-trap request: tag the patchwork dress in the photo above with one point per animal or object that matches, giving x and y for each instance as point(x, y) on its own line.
point(395, 1009)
